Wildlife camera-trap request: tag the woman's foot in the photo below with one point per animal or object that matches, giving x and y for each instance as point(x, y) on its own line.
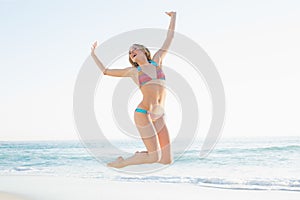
point(140, 157)
point(118, 163)
point(161, 161)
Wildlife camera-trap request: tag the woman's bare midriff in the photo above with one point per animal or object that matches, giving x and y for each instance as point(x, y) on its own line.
point(153, 97)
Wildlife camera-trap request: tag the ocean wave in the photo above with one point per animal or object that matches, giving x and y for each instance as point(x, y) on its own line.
point(287, 148)
point(22, 169)
point(250, 184)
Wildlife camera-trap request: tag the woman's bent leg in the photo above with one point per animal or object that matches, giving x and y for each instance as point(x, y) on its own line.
point(148, 134)
point(164, 140)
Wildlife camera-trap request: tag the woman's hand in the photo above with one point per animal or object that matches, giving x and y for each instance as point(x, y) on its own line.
point(94, 46)
point(171, 14)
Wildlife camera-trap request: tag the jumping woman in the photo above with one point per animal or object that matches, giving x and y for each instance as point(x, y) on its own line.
point(148, 74)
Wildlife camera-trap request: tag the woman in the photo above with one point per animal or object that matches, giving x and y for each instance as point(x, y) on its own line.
point(149, 115)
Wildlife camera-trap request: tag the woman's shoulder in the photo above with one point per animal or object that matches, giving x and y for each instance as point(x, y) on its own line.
point(156, 58)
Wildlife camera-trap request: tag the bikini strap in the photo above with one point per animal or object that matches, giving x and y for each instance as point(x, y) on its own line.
point(153, 63)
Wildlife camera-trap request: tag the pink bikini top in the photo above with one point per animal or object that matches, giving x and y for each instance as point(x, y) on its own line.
point(144, 78)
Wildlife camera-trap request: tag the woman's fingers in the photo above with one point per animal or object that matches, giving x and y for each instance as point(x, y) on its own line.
point(170, 13)
point(94, 45)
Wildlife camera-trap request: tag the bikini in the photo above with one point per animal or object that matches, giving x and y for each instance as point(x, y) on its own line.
point(144, 78)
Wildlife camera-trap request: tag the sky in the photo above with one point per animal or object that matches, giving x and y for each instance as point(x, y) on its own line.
point(254, 45)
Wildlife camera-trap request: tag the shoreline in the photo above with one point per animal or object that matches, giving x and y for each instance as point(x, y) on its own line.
point(62, 188)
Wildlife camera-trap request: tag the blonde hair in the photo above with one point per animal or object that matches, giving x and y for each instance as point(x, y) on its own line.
point(145, 50)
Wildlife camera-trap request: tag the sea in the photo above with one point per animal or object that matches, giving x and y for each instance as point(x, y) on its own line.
point(264, 163)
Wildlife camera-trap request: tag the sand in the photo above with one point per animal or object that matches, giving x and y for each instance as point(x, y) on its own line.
point(65, 188)
point(7, 196)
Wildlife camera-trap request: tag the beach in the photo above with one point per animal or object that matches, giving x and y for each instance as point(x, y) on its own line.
point(237, 169)
point(256, 164)
point(64, 188)
point(9, 196)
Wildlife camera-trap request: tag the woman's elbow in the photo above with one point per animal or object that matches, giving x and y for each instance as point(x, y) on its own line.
point(104, 72)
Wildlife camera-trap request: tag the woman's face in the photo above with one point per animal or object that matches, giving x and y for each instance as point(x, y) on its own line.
point(135, 53)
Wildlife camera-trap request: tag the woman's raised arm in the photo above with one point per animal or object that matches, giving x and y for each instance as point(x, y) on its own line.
point(160, 54)
point(126, 72)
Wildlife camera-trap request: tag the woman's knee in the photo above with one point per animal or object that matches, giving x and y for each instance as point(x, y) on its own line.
point(166, 158)
point(154, 156)
point(166, 161)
